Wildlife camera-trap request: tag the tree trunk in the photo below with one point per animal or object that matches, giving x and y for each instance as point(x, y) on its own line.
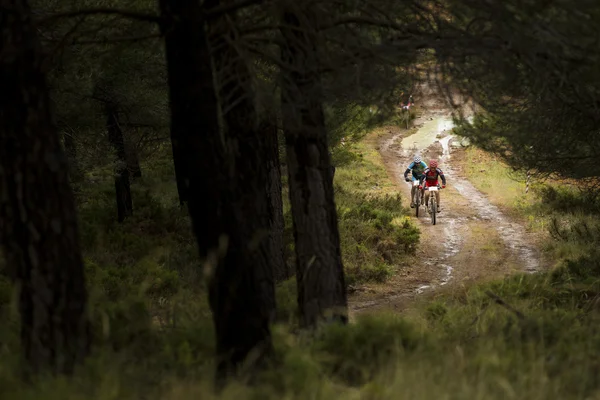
point(122, 182)
point(319, 269)
point(281, 270)
point(227, 195)
point(185, 100)
point(38, 221)
point(181, 176)
point(75, 171)
point(198, 148)
point(133, 161)
point(242, 292)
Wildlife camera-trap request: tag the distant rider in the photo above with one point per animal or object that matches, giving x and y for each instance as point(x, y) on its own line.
point(418, 166)
point(430, 177)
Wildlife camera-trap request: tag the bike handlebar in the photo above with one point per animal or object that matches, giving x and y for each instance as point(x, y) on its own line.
point(438, 186)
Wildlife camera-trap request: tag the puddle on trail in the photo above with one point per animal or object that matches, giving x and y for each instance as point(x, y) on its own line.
point(426, 135)
point(446, 147)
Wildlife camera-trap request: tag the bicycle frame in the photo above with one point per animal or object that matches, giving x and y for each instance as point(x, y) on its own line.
point(417, 197)
point(433, 203)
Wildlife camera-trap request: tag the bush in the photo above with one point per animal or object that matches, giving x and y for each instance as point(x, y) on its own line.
point(565, 199)
point(286, 298)
point(355, 353)
point(376, 236)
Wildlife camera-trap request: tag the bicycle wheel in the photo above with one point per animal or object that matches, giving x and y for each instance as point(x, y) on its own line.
point(433, 209)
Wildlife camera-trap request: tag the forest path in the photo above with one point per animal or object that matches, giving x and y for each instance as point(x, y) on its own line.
point(473, 240)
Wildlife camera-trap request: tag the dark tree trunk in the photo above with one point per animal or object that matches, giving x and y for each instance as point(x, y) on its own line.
point(319, 269)
point(75, 171)
point(133, 161)
point(38, 220)
point(181, 177)
point(242, 292)
point(185, 101)
point(228, 207)
point(281, 269)
point(122, 181)
point(198, 148)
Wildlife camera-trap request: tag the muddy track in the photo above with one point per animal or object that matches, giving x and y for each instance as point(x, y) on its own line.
point(473, 240)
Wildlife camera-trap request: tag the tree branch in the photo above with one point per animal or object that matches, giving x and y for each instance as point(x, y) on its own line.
point(504, 304)
point(135, 15)
point(229, 7)
point(144, 16)
point(123, 39)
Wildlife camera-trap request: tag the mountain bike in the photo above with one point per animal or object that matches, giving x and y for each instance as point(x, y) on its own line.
point(417, 199)
point(432, 207)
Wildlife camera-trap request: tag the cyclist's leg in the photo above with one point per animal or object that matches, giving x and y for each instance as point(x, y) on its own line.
point(437, 199)
point(426, 198)
point(413, 192)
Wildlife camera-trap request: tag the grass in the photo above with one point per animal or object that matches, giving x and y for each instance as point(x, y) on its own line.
point(464, 346)
point(503, 186)
point(562, 219)
point(154, 337)
point(375, 231)
point(152, 326)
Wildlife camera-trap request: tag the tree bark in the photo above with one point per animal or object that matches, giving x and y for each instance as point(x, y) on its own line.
point(242, 291)
point(281, 270)
point(319, 269)
point(38, 218)
point(75, 171)
point(201, 89)
point(122, 181)
point(180, 172)
point(198, 147)
point(133, 161)
point(227, 192)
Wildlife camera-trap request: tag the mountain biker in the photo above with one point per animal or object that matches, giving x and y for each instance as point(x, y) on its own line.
point(417, 167)
point(430, 178)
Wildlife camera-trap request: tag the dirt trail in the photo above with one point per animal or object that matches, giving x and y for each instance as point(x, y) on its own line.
point(472, 240)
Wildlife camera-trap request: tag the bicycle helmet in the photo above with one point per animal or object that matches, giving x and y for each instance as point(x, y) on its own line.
point(433, 164)
point(417, 159)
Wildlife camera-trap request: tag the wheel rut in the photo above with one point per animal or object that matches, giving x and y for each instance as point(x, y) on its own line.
point(473, 240)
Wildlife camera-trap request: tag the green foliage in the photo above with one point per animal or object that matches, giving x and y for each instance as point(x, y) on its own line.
point(375, 233)
point(527, 113)
point(467, 341)
point(436, 310)
point(351, 122)
point(358, 352)
point(286, 297)
point(154, 336)
point(152, 327)
point(565, 199)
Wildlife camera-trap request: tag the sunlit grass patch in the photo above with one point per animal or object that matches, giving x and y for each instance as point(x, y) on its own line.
point(496, 179)
point(375, 233)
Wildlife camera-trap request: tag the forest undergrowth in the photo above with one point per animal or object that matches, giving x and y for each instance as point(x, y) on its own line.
point(528, 336)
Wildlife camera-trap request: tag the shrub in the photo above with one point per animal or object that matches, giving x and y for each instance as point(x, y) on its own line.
point(357, 352)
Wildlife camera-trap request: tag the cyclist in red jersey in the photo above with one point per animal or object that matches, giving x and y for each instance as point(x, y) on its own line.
point(430, 178)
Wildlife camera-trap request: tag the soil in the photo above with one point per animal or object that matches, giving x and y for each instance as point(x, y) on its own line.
point(472, 241)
